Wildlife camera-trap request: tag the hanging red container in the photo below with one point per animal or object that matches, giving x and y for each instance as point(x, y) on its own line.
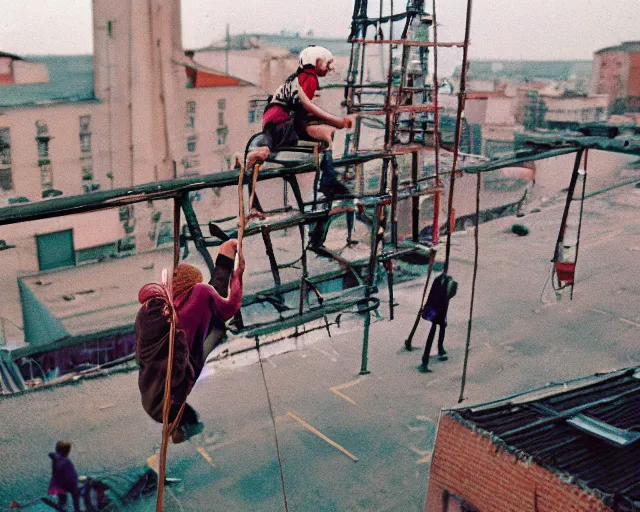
point(566, 271)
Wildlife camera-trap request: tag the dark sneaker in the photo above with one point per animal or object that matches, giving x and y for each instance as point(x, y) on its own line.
point(443, 357)
point(185, 432)
point(423, 369)
point(407, 345)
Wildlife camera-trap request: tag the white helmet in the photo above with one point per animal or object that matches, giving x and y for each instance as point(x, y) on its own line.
point(311, 54)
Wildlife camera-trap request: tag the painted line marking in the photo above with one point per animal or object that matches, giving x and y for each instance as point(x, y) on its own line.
point(425, 455)
point(321, 436)
point(336, 389)
point(205, 455)
point(636, 324)
point(625, 320)
point(324, 352)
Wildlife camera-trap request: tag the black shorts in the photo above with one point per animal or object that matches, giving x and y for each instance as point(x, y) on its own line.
point(288, 133)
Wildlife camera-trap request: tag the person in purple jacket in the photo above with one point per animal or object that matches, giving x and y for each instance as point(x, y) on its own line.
point(64, 479)
point(202, 310)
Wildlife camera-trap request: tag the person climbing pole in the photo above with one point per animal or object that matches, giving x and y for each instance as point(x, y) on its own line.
point(291, 116)
point(435, 310)
point(201, 311)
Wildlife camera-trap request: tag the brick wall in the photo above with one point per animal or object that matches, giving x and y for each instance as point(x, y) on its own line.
point(491, 479)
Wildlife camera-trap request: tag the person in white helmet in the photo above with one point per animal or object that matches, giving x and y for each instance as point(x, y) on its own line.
point(291, 116)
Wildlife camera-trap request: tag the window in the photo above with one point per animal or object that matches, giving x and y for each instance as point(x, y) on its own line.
point(256, 108)
point(125, 213)
point(5, 147)
point(6, 180)
point(451, 503)
point(85, 142)
point(221, 119)
point(191, 144)
point(222, 104)
point(85, 124)
point(41, 128)
point(43, 147)
point(87, 173)
point(222, 136)
point(191, 114)
point(90, 187)
point(46, 176)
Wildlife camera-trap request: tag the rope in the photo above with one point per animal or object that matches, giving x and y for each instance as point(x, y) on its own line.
point(473, 293)
point(168, 429)
point(241, 227)
point(584, 186)
point(275, 429)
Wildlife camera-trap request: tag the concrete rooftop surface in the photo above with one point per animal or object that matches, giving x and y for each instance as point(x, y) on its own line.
point(522, 338)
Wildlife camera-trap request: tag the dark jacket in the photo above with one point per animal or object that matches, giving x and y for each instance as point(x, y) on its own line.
point(437, 306)
point(63, 475)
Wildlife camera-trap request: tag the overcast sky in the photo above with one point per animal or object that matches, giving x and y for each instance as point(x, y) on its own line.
point(501, 29)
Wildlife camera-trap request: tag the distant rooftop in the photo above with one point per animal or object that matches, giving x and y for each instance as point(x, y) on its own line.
point(292, 42)
point(70, 80)
point(558, 70)
point(590, 433)
point(627, 46)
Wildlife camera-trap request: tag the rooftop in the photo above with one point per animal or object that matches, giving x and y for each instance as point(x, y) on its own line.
point(524, 70)
point(291, 42)
point(589, 433)
point(70, 80)
point(627, 46)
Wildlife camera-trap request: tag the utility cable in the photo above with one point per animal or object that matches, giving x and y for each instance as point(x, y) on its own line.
point(275, 429)
point(473, 293)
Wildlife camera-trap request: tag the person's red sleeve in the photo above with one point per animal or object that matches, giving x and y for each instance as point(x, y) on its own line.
point(226, 308)
point(309, 84)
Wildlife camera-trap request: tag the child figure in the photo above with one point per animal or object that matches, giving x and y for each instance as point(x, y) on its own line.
point(64, 478)
point(291, 116)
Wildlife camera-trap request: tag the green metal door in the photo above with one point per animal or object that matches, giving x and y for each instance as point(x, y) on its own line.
point(55, 250)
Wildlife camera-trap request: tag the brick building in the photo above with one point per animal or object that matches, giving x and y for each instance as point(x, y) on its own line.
point(616, 72)
point(545, 450)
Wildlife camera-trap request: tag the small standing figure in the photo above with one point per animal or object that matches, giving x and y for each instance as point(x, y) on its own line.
point(64, 479)
point(435, 310)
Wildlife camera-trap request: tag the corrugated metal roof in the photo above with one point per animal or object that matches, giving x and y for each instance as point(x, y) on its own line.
point(538, 428)
point(70, 80)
